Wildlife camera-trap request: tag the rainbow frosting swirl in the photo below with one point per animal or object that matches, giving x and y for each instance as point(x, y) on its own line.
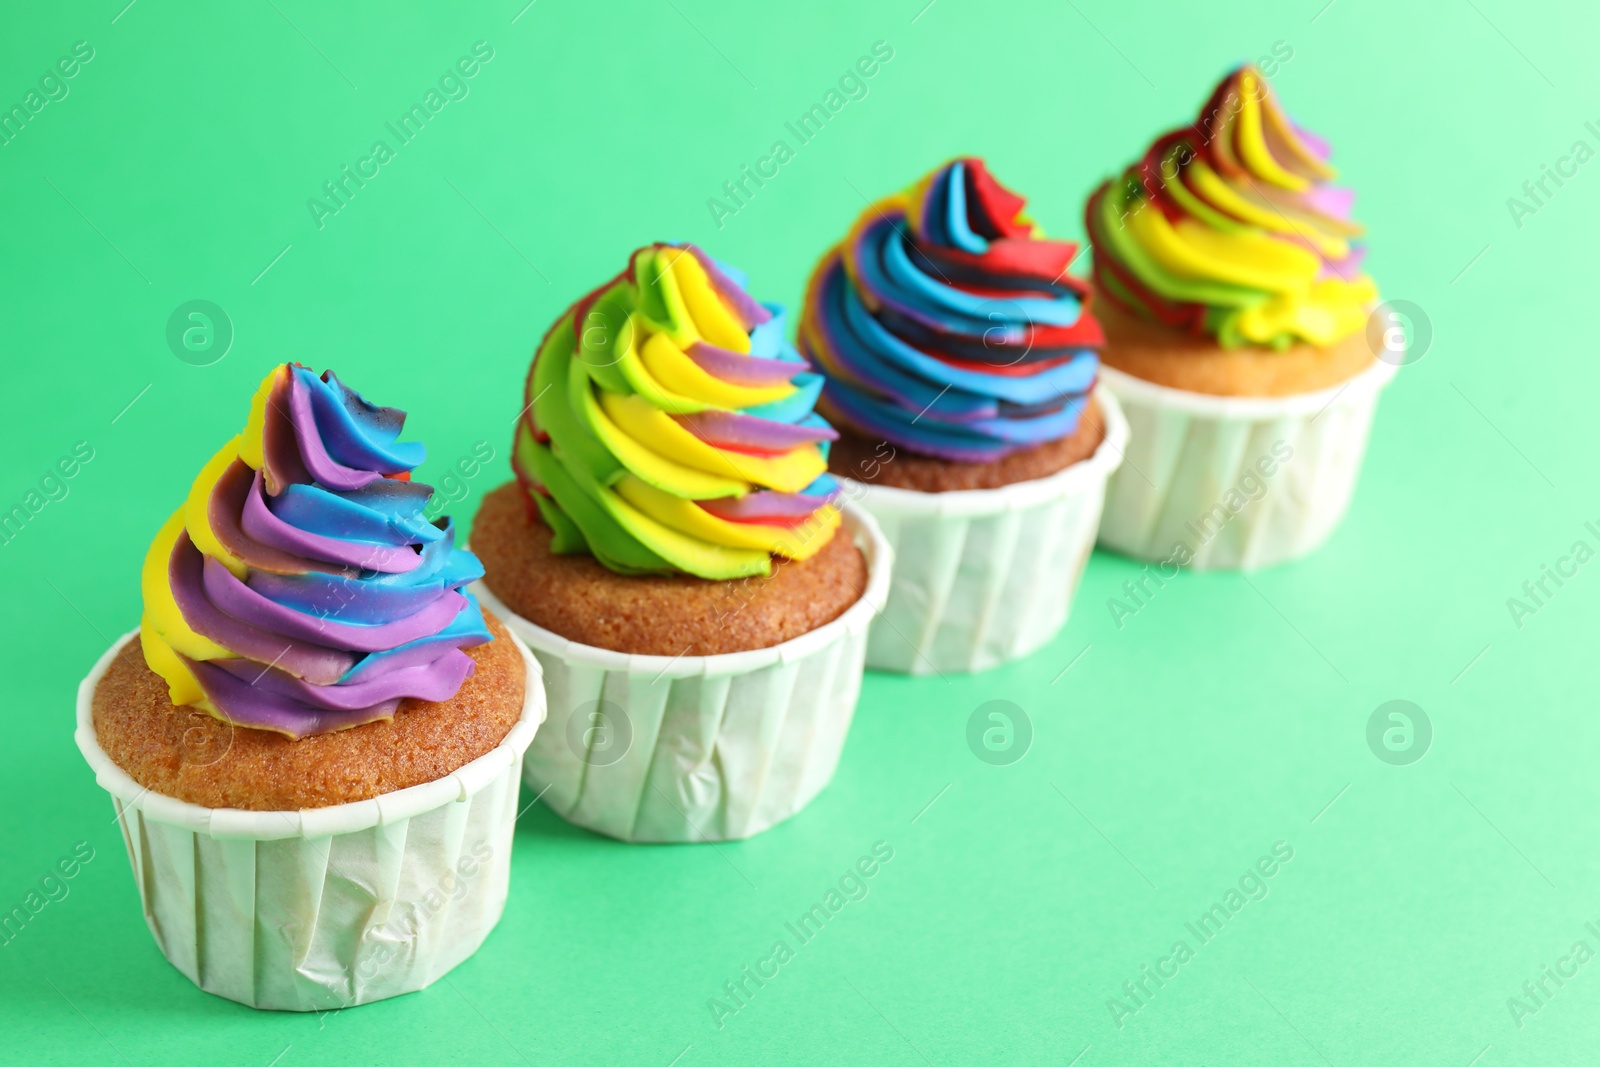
point(946, 325)
point(669, 426)
point(1247, 242)
point(299, 589)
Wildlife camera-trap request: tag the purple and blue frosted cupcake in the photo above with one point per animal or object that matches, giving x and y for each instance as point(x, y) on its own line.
point(314, 744)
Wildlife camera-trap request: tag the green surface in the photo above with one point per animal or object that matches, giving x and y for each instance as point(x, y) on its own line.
point(1224, 717)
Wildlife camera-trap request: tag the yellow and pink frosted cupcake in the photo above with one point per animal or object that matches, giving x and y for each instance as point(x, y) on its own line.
point(1235, 306)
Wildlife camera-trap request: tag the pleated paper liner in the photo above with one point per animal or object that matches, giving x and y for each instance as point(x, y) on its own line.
point(1236, 482)
point(698, 748)
point(324, 908)
point(986, 576)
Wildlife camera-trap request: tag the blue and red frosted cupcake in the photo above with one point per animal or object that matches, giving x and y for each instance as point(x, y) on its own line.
point(949, 330)
point(961, 361)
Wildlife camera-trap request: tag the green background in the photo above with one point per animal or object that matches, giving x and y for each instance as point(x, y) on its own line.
point(1222, 718)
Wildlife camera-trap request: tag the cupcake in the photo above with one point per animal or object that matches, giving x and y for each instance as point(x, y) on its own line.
point(1235, 310)
point(960, 365)
point(314, 744)
point(679, 560)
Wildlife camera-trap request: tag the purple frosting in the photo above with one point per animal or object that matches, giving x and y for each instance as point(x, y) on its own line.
point(351, 600)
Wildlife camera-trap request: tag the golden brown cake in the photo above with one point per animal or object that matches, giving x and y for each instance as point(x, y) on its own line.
point(576, 596)
point(187, 754)
point(1197, 364)
point(880, 463)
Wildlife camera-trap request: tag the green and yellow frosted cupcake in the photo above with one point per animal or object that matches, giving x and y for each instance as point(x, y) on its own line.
point(1235, 307)
point(677, 555)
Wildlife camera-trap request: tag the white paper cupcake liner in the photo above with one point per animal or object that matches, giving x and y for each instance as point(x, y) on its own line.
point(1197, 482)
point(323, 908)
point(698, 748)
point(986, 576)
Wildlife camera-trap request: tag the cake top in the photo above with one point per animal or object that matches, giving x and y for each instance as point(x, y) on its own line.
point(1229, 227)
point(299, 588)
point(948, 326)
point(668, 426)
